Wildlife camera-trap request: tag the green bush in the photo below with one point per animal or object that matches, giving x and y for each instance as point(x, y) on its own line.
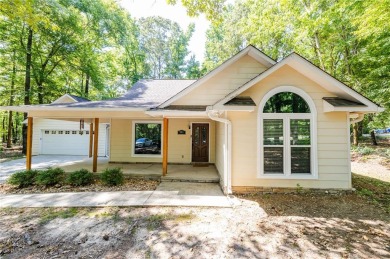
point(112, 176)
point(50, 177)
point(23, 179)
point(81, 177)
point(365, 151)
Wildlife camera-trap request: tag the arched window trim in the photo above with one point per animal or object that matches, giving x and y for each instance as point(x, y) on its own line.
point(313, 132)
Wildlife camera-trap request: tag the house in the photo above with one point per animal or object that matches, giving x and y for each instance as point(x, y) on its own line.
point(262, 123)
point(64, 137)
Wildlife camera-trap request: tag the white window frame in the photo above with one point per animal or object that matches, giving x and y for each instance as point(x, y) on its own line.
point(286, 129)
point(133, 139)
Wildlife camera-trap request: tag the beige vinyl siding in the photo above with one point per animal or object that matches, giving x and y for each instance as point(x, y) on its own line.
point(40, 124)
point(220, 137)
point(223, 83)
point(332, 138)
point(179, 146)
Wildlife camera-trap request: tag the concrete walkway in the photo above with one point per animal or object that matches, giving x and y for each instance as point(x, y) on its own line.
point(166, 194)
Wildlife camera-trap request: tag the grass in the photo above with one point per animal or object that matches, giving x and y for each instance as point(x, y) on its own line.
point(50, 214)
point(155, 221)
point(376, 191)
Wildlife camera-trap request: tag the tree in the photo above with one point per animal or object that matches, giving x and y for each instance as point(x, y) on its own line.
point(165, 46)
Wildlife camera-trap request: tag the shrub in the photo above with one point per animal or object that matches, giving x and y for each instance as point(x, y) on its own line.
point(23, 179)
point(365, 151)
point(112, 176)
point(50, 177)
point(81, 177)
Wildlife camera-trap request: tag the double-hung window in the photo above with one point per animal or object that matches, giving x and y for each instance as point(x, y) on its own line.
point(147, 138)
point(286, 144)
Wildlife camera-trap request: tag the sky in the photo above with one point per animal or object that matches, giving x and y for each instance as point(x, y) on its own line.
point(177, 13)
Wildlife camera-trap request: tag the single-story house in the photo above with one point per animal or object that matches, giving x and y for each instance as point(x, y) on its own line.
point(262, 123)
point(64, 137)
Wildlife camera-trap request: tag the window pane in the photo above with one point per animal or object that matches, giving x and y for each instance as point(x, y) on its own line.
point(286, 102)
point(273, 160)
point(147, 138)
point(300, 132)
point(273, 132)
point(300, 160)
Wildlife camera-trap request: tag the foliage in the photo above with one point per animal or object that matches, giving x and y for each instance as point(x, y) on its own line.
point(348, 39)
point(112, 176)
point(50, 177)
point(81, 177)
point(23, 179)
point(363, 150)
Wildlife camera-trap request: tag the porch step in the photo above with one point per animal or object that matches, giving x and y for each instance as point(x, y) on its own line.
point(189, 179)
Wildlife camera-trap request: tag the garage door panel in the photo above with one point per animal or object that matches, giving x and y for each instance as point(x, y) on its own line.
point(64, 142)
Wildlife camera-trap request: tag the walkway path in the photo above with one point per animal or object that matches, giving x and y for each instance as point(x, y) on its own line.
point(166, 194)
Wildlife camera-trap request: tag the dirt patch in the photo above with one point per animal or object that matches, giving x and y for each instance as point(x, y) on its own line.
point(339, 229)
point(128, 185)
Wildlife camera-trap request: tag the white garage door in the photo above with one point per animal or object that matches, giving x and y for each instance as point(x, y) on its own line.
point(65, 142)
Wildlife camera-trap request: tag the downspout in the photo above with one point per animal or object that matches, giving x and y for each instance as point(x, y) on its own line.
point(214, 115)
point(356, 117)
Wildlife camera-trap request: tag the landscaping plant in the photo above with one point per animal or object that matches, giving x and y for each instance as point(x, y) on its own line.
point(23, 179)
point(112, 176)
point(50, 177)
point(81, 177)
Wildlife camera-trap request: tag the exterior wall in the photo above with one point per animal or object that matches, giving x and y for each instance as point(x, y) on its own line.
point(223, 83)
point(179, 146)
point(40, 124)
point(220, 137)
point(332, 138)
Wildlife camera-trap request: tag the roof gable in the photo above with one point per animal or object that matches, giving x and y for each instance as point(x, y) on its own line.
point(250, 51)
point(313, 73)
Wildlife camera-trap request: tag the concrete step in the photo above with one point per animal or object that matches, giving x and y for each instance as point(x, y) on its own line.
point(189, 179)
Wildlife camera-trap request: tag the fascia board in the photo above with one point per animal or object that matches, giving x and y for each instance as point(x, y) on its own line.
point(327, 107)
point(177, 114)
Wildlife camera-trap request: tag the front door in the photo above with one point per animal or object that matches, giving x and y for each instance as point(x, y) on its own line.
point(200, 142)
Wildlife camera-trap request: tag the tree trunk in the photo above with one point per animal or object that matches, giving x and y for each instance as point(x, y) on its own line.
point(11, 101)
point(27, 84)
point(86, 85)
point(373, 138)
point(355, 134)
point(40, 93)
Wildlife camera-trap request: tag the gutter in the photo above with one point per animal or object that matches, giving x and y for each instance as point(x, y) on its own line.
point(214, 115)
point(356, 117)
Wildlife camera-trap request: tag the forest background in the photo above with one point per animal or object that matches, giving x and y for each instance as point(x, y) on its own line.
point(95, 49)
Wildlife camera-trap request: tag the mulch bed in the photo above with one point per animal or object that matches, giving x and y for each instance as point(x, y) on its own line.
point(128, 185)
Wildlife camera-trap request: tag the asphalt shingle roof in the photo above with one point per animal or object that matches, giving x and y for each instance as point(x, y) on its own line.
point(241, 100)
point(143, 94)
point(340, 102)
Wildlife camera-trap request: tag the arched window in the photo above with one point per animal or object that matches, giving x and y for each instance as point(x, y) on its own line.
point(287, 134)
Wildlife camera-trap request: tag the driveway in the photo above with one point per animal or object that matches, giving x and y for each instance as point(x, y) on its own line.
point(38, 162)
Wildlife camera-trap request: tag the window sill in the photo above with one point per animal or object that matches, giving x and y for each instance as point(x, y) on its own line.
point(288, 177)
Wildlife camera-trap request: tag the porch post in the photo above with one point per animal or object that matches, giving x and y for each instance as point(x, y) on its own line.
point(95, 145)
point(165, 147)
point(29, 142)
point(90, 139)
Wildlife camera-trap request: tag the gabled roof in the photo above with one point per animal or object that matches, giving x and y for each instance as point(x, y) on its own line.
point(249, 50)
point(312, 72)
point(70, 98)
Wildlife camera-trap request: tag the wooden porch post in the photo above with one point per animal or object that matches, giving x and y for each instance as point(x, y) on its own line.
point(90, 139)
point(165, 147)
point(29, 142)
point(95, 145)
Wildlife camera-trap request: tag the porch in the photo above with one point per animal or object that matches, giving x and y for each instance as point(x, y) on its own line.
point(176, 172)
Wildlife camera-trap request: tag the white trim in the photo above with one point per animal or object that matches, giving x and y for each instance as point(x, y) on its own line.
point(194, 122)
point(133, 138)
point(250, 50)
point(238, 108)
point(299, 64)
point(177, 114)
point(286, 120)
